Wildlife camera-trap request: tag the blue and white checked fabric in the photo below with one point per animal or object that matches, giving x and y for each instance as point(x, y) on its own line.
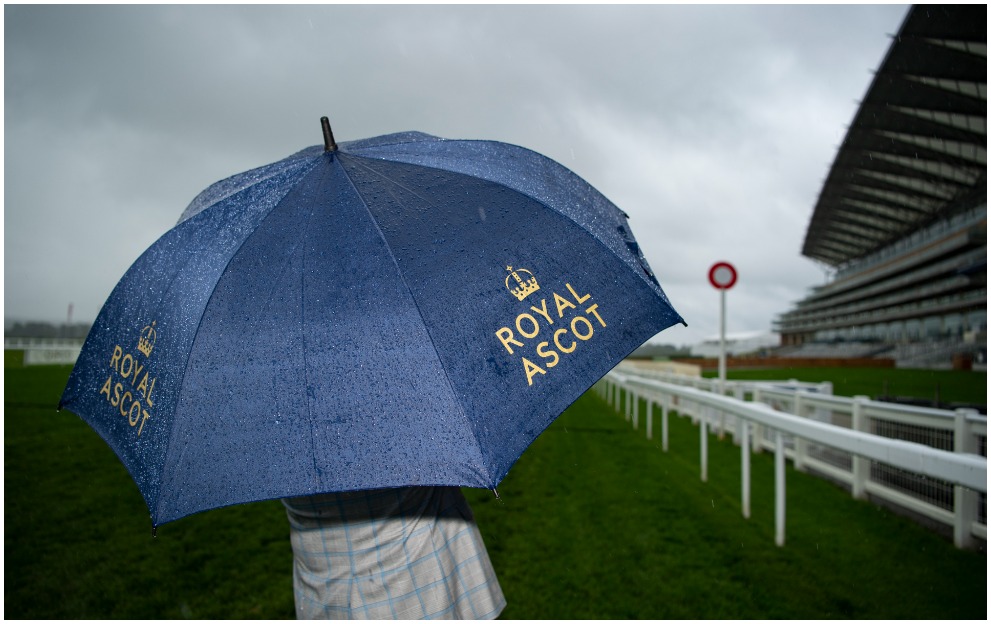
point(408, 553)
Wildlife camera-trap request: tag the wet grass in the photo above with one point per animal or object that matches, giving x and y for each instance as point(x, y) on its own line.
point(944, 386)
point(594, 521)
point(617, 529)
point(77, 534)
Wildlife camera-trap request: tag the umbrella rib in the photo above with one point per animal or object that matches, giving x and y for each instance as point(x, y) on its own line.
point(373, 171)
point(433, 344)
point(302, 327)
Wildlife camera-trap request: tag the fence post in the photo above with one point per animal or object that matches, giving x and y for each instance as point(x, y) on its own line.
point(779, 488)
point(965, 501)
point(739, 393)
point(720, 423)
point(801, 445)
point(628, 407)
point(821, 413)
point(758, 429)
point(650, 418)
point(704, 443)
point(861, 465)
point(636, 410)
point(744, 428)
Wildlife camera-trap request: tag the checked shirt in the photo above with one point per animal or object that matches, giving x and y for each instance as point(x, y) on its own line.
point(408, 553)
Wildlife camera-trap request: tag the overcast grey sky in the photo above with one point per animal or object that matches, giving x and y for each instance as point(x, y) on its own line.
point(712, 127)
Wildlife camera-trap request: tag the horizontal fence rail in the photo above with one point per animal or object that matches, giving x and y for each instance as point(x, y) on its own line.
point(932, 462)
point(45, 350)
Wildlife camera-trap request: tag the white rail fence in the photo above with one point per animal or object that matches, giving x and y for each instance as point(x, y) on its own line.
point(45, 350)
point(932, 462)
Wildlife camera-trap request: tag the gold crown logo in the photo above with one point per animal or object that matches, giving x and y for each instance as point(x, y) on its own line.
point(524, 288)
point(147, 340)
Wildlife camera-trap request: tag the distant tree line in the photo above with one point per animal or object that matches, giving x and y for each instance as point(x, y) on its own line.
point(40, 329)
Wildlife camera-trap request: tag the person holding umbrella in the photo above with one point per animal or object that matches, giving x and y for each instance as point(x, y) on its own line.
point(400, 553)
point(388, 319)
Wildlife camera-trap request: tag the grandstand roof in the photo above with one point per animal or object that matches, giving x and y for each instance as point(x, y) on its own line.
point(917, 146)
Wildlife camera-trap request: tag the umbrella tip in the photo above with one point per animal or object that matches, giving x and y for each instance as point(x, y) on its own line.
point(329, 145)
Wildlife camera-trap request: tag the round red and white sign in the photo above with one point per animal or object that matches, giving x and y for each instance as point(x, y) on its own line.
point(722, 275)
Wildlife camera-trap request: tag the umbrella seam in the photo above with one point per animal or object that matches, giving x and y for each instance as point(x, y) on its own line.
point(399, 272)
point(306, 367)
point(169, 478)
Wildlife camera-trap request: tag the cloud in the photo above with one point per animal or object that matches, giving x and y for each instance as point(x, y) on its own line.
point(712, 126)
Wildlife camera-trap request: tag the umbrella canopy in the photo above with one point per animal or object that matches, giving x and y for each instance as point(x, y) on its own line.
point(401, 310)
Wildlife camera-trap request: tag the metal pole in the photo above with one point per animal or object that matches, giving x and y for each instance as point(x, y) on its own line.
point(722, 340)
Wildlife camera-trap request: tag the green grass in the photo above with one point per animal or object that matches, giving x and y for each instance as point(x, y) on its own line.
point(77, 534)
point(13, 358)
point(594, 521)
point(949, 386)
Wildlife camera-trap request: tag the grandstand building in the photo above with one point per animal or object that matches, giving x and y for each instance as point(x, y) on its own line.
point(901, 219)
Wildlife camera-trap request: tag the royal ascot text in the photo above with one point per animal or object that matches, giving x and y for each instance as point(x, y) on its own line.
point(129, 388)
point(561, 336)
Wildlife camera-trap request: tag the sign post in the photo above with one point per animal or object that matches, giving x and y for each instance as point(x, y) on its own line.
point(722, 276)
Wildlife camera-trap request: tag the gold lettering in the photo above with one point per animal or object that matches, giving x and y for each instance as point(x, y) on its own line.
point(587, 324)
point(143, 386)
point(505, 336)
point(116, 400)
point(542, 311)
point(115, 358)
point(133, 420)
point(594, 310)
point(531, 370)
point(129, 361)
point(150, 390)
point(548, 354)
point(557, 341)
point(562, 303)
point(106, 389)
point(536, 327)
point(137, 371)
point(127, 395)
point(577, 298)
point(146, 417)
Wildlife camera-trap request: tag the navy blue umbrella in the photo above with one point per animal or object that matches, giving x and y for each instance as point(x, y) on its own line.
point(401, 310)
